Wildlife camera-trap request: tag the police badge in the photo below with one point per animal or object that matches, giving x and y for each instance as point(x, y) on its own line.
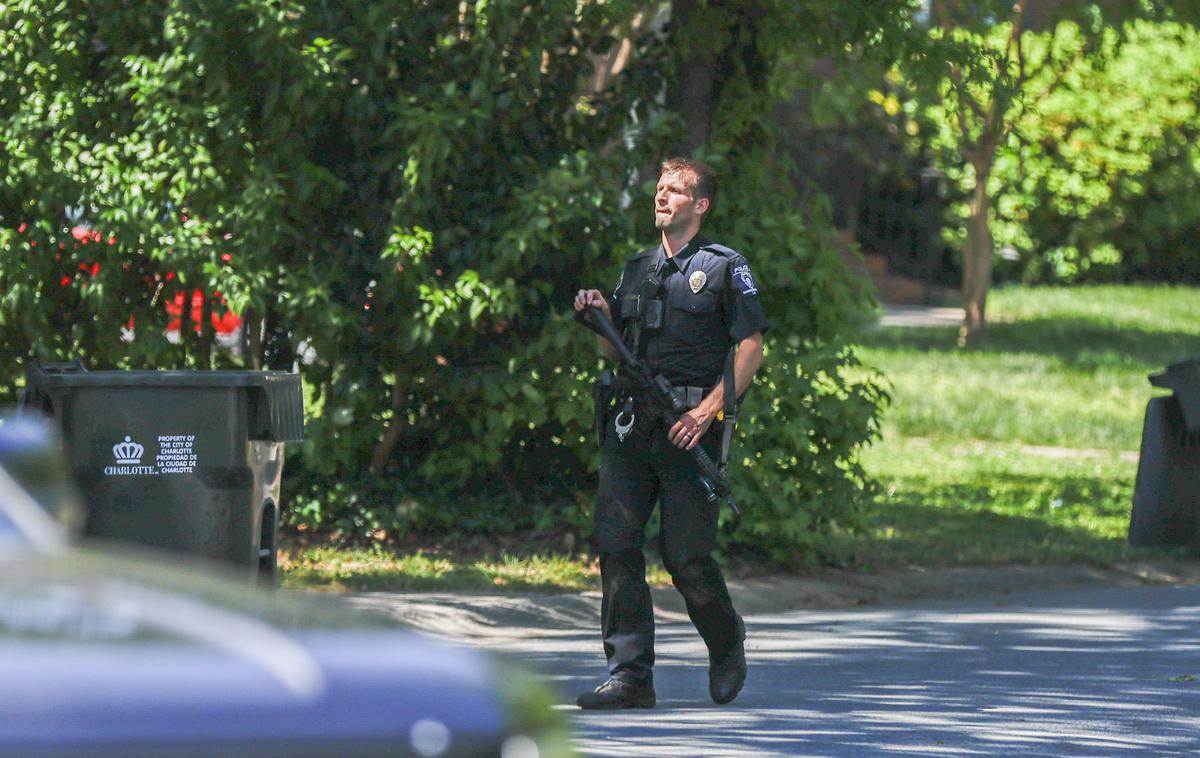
point(696, 281)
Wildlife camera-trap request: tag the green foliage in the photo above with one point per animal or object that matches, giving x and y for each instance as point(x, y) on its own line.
point(1094, 172)
point(1102, 183)
point(401, 198)
point(795, 463)
point(809, 413)
point(376, 569)
point(170, 140)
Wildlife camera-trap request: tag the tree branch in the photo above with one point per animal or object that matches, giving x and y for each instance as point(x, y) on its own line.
point(1014, 41)
point(956, 77)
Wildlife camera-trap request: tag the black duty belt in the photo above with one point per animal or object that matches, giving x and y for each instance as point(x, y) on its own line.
point(691, 395)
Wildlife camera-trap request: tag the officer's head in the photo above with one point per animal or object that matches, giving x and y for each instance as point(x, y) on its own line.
point(686, 191)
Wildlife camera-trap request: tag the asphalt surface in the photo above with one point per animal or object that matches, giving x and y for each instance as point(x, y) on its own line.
point(1084, 671)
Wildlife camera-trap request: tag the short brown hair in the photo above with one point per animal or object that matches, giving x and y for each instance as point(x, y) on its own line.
point(704, 179)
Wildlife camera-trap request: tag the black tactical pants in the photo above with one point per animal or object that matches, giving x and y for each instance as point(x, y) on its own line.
point(633, 476)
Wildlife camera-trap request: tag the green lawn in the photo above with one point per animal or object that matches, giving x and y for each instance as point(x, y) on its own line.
point(331, 568)
point(1024, 449)
point(379, 569)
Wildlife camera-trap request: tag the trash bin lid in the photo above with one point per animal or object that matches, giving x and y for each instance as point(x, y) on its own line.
point(1183, 378)
point(277, 400)
point(1175, 374)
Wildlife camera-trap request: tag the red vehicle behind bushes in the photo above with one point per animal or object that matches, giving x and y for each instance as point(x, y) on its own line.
point(225, 323)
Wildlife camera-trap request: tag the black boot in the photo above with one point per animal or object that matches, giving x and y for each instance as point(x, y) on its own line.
point(616, 694)
point(727, 674)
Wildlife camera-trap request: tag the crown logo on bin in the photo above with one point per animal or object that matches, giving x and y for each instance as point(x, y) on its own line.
point(128, 452)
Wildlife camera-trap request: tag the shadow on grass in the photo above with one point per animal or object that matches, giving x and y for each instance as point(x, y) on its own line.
point(1007, 518)
point(1079, 343)
point(909, 532)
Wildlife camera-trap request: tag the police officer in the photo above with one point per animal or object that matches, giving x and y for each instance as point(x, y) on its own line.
point(682, 306)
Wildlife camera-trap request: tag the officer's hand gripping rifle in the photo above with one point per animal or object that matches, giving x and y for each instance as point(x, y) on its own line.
point(663, 402)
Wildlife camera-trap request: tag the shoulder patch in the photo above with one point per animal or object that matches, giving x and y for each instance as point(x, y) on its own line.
point(744, 279)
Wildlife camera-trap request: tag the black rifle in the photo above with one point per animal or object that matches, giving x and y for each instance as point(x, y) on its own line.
point(662, 401)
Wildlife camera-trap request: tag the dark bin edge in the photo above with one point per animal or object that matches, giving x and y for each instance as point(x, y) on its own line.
point(276, 397)
point(1183, 379)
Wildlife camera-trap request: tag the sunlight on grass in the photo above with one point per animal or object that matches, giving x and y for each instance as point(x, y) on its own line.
point(332, 568)
point(1024, 449)
point(1062, 367)
point(954, 502)
point(1157, 309)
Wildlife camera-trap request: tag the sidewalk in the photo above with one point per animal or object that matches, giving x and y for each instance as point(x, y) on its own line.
point(483, 618)
point(920, 315)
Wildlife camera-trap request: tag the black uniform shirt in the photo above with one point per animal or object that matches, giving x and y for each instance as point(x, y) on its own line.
point(710, 301)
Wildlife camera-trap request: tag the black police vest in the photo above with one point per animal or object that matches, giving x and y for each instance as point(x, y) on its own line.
point(643, 309)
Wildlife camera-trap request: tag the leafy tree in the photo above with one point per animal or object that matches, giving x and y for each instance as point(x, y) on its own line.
point(988, 73)
point(400, 197)
point(170, 143)
point(1099, 181)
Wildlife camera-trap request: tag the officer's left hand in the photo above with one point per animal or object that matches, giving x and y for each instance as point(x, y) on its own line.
point(690, 427)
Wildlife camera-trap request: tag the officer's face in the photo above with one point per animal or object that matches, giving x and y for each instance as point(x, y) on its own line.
point(674, 207)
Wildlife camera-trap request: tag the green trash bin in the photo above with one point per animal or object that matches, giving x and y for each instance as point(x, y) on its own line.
point(187, 461)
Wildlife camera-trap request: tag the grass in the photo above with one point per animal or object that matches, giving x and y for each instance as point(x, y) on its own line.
point(1022, 450)
point(330, 568)
point(950, 502)
point(1063, 367)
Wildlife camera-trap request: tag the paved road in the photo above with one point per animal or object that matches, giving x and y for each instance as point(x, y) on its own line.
point(920, 315)
point(1080, 672)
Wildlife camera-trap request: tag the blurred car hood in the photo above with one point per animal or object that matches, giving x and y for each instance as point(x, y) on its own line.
point(102, 654)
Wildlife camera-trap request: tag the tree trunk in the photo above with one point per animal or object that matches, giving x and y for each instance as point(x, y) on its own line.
point(252, 339)
point(977, 259)
point(204, 345)
point(391, 434)
point(185, 319)
point(692, 95)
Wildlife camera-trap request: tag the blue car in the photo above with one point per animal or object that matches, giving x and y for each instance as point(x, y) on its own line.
point(107, 654)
